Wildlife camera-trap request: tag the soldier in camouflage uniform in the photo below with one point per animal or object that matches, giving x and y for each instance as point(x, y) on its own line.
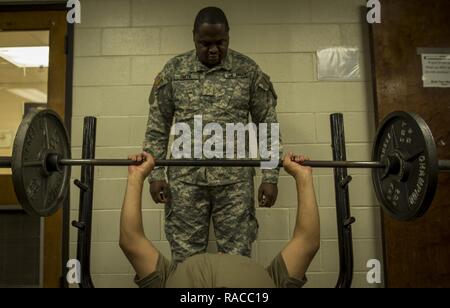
point(223, 86)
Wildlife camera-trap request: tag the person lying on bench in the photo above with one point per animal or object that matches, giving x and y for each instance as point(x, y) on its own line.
point(208, 270)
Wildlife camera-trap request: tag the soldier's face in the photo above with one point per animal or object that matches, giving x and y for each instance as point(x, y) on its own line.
point(211, 43)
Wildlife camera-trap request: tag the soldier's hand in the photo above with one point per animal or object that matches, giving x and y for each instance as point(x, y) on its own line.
point(267, 194)
point(159, 190)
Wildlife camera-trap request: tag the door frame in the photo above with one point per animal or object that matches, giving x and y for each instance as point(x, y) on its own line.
point(52, 17)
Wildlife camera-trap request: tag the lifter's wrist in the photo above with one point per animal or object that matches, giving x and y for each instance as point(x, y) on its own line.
point(135, 178)
point(303, 178)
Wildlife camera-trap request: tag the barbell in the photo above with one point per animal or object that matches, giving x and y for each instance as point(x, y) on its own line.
point(405, 165)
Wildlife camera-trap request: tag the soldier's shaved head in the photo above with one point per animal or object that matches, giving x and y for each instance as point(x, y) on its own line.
point(211, 15)
point(211, 36)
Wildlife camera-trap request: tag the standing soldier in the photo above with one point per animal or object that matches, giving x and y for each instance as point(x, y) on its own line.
point(223, 86)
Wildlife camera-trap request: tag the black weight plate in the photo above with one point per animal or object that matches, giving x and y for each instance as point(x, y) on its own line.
point(40, 192)
point(406, 194)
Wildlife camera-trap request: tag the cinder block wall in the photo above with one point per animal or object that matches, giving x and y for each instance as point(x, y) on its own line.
point(121, 45)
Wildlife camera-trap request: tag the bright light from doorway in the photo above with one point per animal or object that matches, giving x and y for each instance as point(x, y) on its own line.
point(31, 95)
point(26, 56)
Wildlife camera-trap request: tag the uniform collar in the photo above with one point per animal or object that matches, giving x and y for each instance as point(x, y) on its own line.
point(200, 67)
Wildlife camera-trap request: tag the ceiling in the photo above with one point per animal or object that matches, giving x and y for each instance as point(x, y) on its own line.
point(15, 77)
point(23, 38)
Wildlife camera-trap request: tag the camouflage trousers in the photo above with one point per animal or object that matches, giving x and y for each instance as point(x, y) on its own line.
point(189, 212)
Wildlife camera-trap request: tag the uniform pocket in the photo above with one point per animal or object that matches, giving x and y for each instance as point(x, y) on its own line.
point(186, 98)
point(238, 93)
point(168, 210)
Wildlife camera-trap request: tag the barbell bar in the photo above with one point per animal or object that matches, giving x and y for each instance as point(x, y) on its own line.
point(223, 163)
point(444, 165)
point(5, 162)
point(405, 164)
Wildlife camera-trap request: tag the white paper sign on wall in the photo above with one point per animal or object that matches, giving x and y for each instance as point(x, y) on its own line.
point(436, 70)
point(338, 63)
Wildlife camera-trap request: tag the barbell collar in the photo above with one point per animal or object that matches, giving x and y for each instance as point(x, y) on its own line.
point(5, 162)
point(444, 165)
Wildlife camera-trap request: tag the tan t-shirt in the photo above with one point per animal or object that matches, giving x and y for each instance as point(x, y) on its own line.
point(219, 271)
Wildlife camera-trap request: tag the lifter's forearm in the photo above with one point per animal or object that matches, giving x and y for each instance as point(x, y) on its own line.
point(131, 227)
point(307, 221)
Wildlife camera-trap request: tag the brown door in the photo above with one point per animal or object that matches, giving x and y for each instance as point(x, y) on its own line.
point(51, 19)
point(417, 253)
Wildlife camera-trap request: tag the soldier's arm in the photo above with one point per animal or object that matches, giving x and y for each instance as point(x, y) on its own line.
point(159, 121)
point(141, 253)
point(263, 103)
